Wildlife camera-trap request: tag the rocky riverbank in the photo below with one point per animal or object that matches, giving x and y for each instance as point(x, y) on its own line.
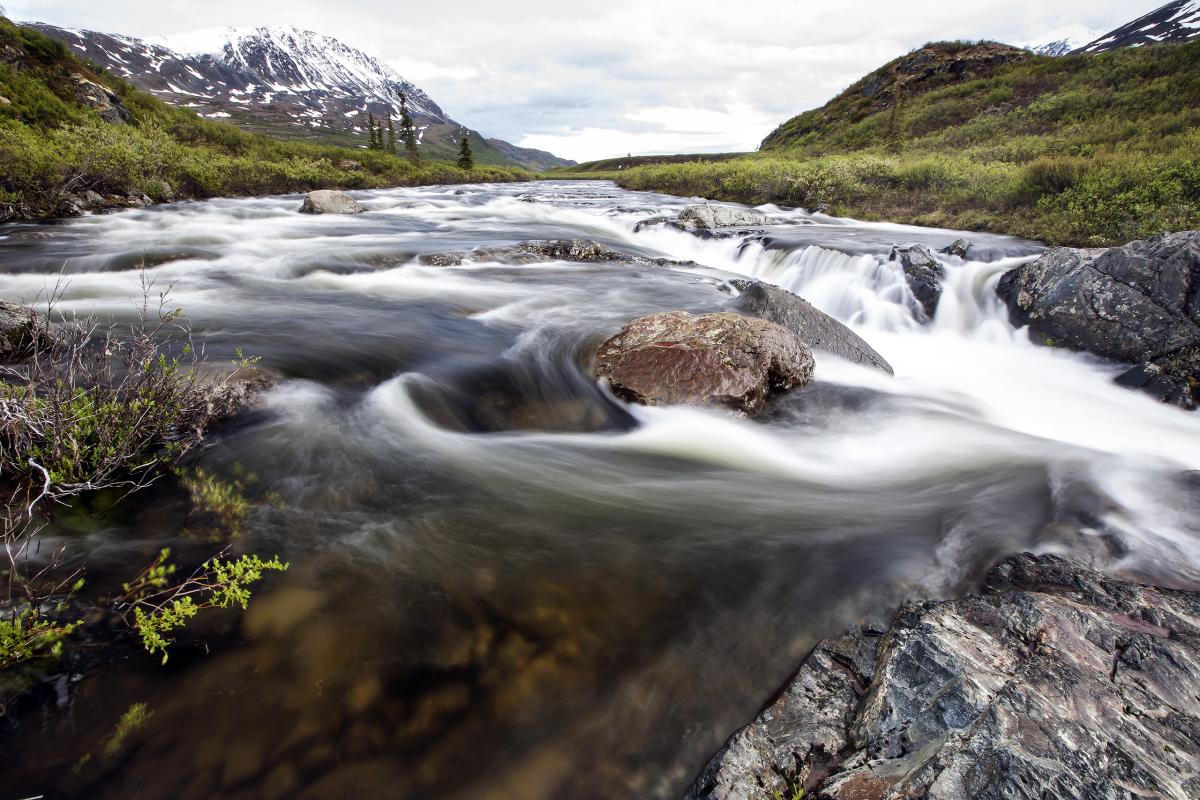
point(1054, 681)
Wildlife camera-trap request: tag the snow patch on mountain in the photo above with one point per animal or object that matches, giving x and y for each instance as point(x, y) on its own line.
point(1061, 41)
point(1177, 21)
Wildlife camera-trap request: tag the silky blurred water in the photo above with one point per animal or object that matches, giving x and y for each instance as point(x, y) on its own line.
point(504, 582)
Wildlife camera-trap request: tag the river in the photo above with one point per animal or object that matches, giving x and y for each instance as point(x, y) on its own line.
point(505, 583)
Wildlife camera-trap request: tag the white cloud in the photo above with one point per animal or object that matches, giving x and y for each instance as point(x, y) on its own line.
point(587, 80)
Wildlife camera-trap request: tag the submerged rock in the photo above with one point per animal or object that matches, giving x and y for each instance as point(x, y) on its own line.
point(1055, 681)
point(719, 359)
point(816, 328)
point(1139, 304)
point(327, 201)
point(923, 273)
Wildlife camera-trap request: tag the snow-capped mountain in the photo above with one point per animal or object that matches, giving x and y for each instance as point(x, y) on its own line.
point(1063, 40)
point(285, 82)
point(1177, 21)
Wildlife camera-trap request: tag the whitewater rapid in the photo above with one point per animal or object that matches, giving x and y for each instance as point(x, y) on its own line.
point(645, 576)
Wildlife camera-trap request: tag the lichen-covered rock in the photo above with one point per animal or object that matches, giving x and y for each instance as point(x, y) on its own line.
point(708, 216)
point(924, 275)
point(1139, 304)
point(817, 329)
point(328, 201)
point(1055, 681)
point(720, 359)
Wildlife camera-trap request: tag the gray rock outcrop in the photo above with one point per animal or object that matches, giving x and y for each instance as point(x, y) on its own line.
point(815, 328)
point(1139, 304)
point(1055, 681)
point(106, 102)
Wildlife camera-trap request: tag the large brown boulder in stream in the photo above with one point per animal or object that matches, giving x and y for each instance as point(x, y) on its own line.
point(1055, 681)
point(719, 359)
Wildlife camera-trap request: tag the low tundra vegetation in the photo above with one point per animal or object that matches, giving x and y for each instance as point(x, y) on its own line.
point(1085, 150)
point(52, 145)
point(92, 414)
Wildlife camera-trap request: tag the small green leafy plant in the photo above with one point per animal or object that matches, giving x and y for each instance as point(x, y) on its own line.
point(160, 606)
point(27, 635)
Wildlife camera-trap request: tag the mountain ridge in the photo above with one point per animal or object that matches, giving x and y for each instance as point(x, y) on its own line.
point(1177, 21)
point(287, 82)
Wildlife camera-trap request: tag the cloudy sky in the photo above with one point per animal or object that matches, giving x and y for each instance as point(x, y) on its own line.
point(587, 80)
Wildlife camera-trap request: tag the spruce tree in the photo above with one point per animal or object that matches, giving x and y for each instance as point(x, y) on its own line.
point(408, 132)
point(465, 159)
point(371, 134)
point(391, 135)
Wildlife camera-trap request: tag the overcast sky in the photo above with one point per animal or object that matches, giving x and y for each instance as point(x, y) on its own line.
point(587, 80)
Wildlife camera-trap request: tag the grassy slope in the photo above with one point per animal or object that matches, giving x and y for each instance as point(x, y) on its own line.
point(1095, 149)
point(51, 144)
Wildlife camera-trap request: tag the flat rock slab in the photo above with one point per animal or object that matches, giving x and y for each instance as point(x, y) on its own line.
point(720, 359)
point(1055, 681)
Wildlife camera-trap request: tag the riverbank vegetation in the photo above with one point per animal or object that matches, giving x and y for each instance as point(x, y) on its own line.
point(88, 416)
point(67, 128)
point(1086, 150)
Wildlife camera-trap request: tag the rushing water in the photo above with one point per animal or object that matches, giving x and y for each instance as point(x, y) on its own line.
point(506, 584)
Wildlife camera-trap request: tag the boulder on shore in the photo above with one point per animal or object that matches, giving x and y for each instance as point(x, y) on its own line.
point(708, 216)
point(719, 359)
point(22, 330)
point(923, 273)
point(814, 327)
point(328, 201)
point(1055, 681)
point(1139, 304)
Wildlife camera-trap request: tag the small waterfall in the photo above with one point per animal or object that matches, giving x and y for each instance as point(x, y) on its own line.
point(862, 290)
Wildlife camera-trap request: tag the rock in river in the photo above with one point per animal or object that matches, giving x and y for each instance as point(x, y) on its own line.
point(1055, 681)
point(708, 216)
point(327, 201)
point(719, 359)
point(814, 327)
point(923, 273)
point(1139, 304)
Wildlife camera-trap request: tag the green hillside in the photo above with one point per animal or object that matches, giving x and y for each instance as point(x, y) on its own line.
point(1091, 149)
point(67, 127)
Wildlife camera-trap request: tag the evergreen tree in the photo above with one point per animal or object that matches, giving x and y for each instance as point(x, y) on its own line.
point(408, 132)
point(391, 135)
point(372, 144)
point(465, 158)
